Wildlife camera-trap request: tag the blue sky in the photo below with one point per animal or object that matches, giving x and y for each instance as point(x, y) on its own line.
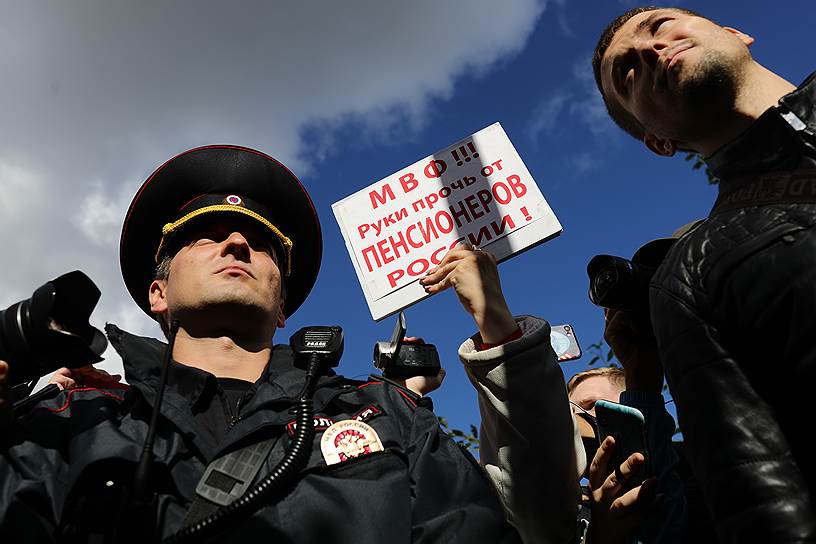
point(610, 194)
point(99, 94)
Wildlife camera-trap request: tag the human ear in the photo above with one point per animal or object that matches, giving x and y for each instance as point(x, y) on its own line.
point(281, 317)
point(158, 296)
point(660, 146)
point(744, 38)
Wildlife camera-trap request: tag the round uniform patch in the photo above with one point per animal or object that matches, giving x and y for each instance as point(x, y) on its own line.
point(348, 439)
point(235, 200)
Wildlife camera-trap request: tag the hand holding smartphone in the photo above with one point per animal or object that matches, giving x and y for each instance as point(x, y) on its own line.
point(627, 426)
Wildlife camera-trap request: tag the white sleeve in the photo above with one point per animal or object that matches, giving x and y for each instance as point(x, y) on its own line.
point(530, 445)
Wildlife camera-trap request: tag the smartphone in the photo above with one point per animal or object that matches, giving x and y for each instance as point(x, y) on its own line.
point(564, 343)
point(627, 426)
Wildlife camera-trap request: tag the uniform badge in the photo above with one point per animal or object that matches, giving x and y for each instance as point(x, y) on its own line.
point(348, 439)
point(321, 423)
point(234, 200)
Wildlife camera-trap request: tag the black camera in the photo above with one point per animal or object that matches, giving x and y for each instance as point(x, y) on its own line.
point(620, 284)
point(615, 282)
point(397, 359)
point(51, 329)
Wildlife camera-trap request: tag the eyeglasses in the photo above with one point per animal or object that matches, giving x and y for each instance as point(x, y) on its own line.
point(587, 419)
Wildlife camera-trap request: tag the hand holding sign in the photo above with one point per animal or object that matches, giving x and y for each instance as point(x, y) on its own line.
point(474, 276)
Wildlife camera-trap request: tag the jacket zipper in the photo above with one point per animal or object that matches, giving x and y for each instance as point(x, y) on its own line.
point(237, 417)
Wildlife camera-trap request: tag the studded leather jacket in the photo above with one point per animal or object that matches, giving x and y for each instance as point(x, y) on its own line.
point(734, 311)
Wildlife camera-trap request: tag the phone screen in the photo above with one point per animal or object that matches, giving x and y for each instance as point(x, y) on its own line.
point(564, 343)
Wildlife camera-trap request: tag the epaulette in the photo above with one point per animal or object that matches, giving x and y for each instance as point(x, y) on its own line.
point(43, 400)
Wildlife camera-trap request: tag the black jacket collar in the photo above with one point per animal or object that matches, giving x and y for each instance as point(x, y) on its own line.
point(142, 359)
point(270, 399)
point(770, 143)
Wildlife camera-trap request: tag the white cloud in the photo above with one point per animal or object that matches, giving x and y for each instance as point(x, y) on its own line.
point(583, 162)
point(589, 107)
point(579, 99)
point(32, 227)
point(576, 102)
point(546, 115)
point(94, 85)
point(100, 218)
point(21, 189)
point(99, 93)
point(128, 316)
point(564, 25)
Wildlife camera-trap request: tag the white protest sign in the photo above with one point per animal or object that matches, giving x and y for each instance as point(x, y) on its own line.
point(476, 191)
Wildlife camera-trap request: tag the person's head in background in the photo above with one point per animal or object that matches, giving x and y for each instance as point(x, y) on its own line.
point(586, 388)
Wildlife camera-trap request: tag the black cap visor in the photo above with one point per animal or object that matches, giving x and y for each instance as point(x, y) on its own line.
point(225, 170)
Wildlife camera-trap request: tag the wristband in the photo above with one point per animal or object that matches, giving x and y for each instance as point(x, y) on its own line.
point(481, 346)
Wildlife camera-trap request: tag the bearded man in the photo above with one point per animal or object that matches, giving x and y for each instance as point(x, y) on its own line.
point(734, 303)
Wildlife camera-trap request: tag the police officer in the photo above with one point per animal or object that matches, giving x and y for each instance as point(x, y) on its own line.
point(225, 242)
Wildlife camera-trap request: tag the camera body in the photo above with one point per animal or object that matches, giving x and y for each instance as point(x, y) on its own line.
point(50, 330)
point(621, 284)
point(396, 359)
point(617, 283)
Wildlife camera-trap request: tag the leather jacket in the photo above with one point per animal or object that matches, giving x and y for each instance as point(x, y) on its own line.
point(734, 312)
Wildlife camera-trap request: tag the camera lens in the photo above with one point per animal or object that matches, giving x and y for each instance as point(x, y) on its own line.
point(604, 280)
point(617, 283)
point(51, 329)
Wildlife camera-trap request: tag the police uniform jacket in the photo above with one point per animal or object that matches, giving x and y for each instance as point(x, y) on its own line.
point(64, 465)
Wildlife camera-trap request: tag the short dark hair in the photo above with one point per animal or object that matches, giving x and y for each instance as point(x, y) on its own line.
point(162, 273)
point(622, 118)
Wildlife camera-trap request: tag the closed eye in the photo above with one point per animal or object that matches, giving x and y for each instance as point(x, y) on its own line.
point(205, 238)
point(658, 25)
